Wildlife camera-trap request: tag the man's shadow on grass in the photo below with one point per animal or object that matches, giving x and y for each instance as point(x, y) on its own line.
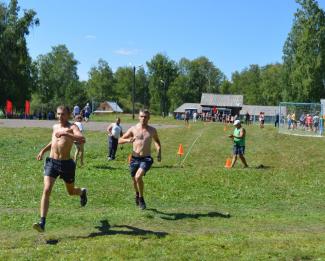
point(178, 216)
point(105, 167)
point(105, 229)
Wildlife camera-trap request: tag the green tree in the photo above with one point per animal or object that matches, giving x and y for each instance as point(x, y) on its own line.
point(16, 76)
point(161, 68)
point(57, 78)
point(304, 54)
point(100, 86)
point(272, 84)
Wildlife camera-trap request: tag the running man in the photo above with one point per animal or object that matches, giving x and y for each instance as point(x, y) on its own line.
point(60, 163)
point(239, 137)
point(141, 136)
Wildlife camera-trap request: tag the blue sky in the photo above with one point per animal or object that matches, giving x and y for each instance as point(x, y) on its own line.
point(231, 33)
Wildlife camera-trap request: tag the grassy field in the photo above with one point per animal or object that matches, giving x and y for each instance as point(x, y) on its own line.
point(276, 212)
point(127, 118)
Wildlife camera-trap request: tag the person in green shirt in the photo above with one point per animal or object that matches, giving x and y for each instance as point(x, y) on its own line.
point(238, 137)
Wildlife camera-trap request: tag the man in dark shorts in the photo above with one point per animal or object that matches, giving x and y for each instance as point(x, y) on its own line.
point(60, 163)
point(141, 136)
point(238, 137)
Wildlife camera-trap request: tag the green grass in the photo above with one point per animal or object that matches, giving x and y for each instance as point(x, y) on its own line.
point(277, 213)
point(127, 118)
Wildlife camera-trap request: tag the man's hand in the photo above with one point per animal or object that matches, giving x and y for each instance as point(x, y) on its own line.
point(231, 136)
point(82, 140)
point(40, 155)
point(60, 133)
point(131, 140)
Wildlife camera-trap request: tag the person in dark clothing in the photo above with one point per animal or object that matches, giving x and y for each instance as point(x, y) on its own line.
point(115, 132)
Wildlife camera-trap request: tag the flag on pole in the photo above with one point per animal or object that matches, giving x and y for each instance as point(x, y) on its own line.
point(27, 108)
point(8, 107)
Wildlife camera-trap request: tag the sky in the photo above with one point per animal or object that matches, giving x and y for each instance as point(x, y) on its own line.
point(232, 33)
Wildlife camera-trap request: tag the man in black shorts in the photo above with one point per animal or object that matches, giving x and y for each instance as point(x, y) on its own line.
point(60, 164)
point(141, 136)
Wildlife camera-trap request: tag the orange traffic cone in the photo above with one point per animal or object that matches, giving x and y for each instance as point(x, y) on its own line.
point(180, 150)
point(228, 163)
point(129, 158)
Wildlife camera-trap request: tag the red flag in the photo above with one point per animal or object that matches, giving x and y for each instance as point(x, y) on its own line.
point(9, 107)
point(27, 107)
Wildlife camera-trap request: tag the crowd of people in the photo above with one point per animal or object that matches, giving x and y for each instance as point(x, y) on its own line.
point(306, 121)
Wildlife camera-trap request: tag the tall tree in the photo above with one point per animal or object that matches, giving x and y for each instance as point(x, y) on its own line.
point(16, 77)
point(57, 77)
point(101, 82)
point(304, 54)
point(162, 72)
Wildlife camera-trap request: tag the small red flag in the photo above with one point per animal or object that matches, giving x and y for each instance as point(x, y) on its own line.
point(27, 107)
point(8, 107)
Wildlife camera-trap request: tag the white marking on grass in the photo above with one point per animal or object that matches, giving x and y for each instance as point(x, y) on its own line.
point(190, 149)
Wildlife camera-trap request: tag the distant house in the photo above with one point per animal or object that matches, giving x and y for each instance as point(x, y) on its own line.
point(222, 102)
point(270, 112)
point(108, 107)
point(189, 107)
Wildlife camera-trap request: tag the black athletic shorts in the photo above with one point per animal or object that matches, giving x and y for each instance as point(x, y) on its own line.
point(140, 163)
point(64, 168)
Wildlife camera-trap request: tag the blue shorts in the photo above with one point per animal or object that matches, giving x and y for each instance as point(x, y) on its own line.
point(140, 163)
point(64, 168)
point(238, 150)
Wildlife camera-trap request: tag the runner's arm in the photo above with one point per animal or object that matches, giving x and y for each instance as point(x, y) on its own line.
point(127, 137)
point(157, 145)
point(75, 134)
point(45, 149)
point(109, 129)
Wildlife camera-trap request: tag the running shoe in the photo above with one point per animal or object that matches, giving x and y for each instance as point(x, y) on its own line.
point(142, 204)
point(83, 197)
point(39, 227)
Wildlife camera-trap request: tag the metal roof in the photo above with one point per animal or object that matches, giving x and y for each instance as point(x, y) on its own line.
point(113, 107)
point(256, 109)
point(188, 106)
point(222, 100)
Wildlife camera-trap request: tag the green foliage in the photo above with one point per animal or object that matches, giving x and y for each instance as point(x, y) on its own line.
point(100, 85)
point(57, 81)
point(304, 54)
point(160, 68)
point(16, 76)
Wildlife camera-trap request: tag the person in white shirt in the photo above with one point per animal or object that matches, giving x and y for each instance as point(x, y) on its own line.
point(76, 110)
point(194, 116)
point(114, 133)
point(80, 146)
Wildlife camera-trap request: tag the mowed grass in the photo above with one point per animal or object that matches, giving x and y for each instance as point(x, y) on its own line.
point(276, 212)
point(127, 118)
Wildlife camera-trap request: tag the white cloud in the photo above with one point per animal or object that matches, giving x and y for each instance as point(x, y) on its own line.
point(90, 36)
point(126, 52)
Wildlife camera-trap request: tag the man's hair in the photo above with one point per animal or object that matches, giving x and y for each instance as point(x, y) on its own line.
point(78, 118)
point(146, 111)
point(64, 108)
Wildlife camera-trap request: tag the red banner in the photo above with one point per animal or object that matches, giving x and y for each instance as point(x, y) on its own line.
point(27, 107)
point(8, 107)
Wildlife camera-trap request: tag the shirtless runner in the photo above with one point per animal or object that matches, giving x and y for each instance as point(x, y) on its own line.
point(60, 163)
point(141, 136)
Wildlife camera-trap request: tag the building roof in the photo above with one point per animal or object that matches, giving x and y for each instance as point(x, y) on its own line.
point(256, 109)
point(222, 100)
point(188, 106)
point(112, 107)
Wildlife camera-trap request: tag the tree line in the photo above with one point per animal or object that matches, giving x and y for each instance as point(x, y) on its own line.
point(165, 84)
